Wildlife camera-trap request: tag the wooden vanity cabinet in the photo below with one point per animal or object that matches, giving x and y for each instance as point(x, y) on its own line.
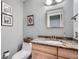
point(43, 52)
point(49, 52)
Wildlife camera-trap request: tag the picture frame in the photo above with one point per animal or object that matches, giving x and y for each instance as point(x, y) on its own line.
point(30, 20)
point(6, 20)
point(6, 8)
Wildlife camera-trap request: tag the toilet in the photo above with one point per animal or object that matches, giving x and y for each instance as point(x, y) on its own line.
point(24, 53)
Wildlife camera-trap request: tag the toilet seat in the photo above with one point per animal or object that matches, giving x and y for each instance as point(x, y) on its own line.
point(24, 53)
point(21, 55)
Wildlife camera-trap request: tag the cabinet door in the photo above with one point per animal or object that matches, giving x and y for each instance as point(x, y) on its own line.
point(42, 55)
point(46, 49)
point(72, 54)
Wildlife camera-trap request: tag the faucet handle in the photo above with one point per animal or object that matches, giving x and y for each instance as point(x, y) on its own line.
point(51, 37)
point(54, 37)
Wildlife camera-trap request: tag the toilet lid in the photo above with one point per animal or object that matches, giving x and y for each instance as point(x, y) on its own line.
point(23, 54)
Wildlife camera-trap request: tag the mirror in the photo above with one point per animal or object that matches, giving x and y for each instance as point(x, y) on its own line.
point(55, 18)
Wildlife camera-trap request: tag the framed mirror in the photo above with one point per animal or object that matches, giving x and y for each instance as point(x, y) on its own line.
point(55, 18)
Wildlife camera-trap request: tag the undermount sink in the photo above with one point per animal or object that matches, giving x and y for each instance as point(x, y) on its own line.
point(49, 42)
point(53, 42)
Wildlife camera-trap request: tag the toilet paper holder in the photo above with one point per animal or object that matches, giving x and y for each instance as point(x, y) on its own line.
point(6, 54)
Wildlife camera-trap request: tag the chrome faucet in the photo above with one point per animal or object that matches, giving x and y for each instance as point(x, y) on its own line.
point(53, 37)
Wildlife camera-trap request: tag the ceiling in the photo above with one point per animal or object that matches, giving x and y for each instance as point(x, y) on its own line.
point(23, 0)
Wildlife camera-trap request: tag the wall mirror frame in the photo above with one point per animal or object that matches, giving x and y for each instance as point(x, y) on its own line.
point(55, 18)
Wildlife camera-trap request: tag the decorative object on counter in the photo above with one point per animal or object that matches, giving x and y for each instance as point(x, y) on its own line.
point(6, 15)
point(30, 20)
point(28, 39)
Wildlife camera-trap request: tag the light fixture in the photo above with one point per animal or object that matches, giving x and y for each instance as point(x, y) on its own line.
point(52, 2)
point(58, 1)
point(48, 2)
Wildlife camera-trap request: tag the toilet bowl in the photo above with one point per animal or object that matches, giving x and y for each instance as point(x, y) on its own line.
point(24, 53)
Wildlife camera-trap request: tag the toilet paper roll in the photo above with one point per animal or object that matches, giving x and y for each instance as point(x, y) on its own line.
point(6, 54)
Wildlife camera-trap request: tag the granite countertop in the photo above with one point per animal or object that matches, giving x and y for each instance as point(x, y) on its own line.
point(64, 43)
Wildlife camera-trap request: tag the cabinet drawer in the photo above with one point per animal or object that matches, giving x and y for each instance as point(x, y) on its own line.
point(41, 55)
point(61, 58)
point(43, 48)
point(72, 54)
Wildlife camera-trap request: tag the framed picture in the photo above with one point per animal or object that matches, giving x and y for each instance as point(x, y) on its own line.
point(30, 20)
point(6, 20)
point(7, 9)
